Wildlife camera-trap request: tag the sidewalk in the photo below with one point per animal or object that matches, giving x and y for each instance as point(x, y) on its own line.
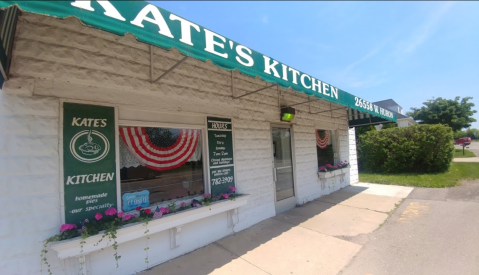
point(475, 159)
point(309, 239)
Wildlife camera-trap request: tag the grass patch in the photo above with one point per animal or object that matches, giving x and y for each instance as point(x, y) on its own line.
point(457, 172)
point(467, 154)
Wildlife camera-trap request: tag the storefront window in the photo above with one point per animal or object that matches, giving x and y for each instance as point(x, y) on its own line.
point(167, 163)
point(325, 147)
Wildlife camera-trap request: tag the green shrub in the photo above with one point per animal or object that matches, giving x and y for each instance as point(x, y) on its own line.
point(418, 148)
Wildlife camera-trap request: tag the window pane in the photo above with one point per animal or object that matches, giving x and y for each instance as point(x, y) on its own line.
point(324, 147)
point(166, 162)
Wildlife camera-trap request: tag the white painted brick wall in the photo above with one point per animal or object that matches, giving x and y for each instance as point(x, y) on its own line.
point(28, 180)
point(55, 59)
point(353, 157)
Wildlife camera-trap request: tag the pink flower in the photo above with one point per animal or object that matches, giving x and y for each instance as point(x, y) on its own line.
point(127, 217)
point(121, 214)
point(225, 196)
point(204, 195)
point(67, 226)
point(335, 166)
point(183, 204)
point(233, 188)
point(110, 212)
point(329, 165)
point(164, 210)
point(98, 216)
point(209, 195)
point(138, 208)
point(148, 211)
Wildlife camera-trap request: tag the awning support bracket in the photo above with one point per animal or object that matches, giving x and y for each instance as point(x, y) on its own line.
point(264, 88)
point(232, 83)
point(309, 101)
point(151, 63)
point(279, 96)
point(170, 69)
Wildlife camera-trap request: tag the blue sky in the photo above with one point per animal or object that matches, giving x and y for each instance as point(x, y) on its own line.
point(407, 51)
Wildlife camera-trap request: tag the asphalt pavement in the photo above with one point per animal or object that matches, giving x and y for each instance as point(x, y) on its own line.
point(434, 231)
point(473, 147)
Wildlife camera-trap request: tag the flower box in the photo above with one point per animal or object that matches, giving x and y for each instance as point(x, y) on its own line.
point(325, 175)
point(72, 247)
point(344, 170)
point(330, 174)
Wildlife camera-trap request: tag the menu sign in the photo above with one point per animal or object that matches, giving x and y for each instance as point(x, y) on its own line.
point(89, 163)
point(220, 152)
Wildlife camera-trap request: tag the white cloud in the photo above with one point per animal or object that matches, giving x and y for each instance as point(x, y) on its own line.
point(428, 27)
point(368, 82)
point(374, 51)
point(365, 57)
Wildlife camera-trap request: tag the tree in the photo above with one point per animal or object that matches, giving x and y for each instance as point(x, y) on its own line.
point(363, 129)
point(460, 134)
point(457, 114)
point(389, 126)
point(470, 133)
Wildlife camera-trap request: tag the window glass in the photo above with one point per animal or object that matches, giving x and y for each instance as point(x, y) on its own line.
point(325, 147)
point(166, 162)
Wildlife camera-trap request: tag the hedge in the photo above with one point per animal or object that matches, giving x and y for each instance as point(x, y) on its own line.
point(414, 149)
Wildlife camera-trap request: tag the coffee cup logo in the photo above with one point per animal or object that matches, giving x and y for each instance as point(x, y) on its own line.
point(89, 146)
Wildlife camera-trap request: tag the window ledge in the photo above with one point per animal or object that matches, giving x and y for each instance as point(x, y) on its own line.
point(330, 174)
point(71, 248)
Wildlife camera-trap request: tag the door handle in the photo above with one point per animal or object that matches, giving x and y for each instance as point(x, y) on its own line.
point(275, 178)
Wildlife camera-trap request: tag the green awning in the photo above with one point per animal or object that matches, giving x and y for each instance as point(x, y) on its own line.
point(156, 26)
point(357, 118)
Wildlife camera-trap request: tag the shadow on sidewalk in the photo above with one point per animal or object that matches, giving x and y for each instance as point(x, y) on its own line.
point(245, 244)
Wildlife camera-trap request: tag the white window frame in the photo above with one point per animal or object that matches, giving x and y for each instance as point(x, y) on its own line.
point(135, 123)
point(127, 122)
point(335, 142)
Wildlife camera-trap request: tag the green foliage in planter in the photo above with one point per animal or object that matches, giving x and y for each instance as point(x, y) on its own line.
point(414, 149)
point(112, 221)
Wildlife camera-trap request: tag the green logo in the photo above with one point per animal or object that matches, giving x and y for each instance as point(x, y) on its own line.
point(89, 146)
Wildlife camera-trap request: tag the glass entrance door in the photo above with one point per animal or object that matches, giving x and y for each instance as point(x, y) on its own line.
point(283, 169)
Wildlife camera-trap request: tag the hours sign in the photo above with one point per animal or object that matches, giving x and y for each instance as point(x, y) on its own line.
point(89, 162)
point(220, 152)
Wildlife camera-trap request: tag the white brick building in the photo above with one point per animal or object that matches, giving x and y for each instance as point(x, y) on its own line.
point(60, 60)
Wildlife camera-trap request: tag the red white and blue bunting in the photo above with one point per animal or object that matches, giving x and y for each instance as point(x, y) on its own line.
point(157, 154)
point(322, 142)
